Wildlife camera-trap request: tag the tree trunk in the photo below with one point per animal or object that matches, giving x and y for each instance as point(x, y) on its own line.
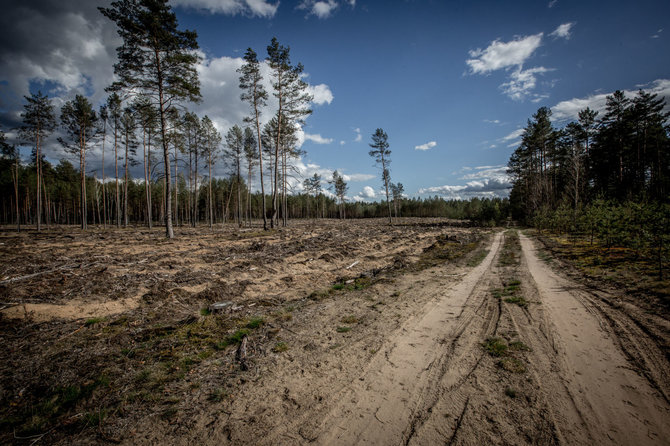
point(260, 164)
point(176, 187)
point(104, 195)
point(125, 185)
point(169, 232)
point(38, 165)
point(116, 176)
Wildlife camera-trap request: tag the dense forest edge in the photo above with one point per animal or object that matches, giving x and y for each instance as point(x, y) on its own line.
point(600, 186)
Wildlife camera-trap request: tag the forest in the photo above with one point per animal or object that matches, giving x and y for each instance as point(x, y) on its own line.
point(604, 177)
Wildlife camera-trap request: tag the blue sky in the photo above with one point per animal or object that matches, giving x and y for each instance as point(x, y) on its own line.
point(451, 82)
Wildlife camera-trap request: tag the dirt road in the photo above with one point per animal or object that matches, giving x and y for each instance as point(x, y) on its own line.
point(563, 371)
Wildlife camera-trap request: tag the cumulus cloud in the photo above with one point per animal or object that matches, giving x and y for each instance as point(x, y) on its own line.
point(366, 194)
point(321, 94)
point(426, 146)
point(317, 139)
point(62, 48)
point(563, 31)
point(358, 137)
point(522, 82)
point(484, 181)
point(500, 54)
point(569, 109)
point(511, 57)
point(321, 9)
point(259, 8)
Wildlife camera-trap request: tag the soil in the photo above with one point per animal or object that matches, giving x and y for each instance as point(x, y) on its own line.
point(354, 332)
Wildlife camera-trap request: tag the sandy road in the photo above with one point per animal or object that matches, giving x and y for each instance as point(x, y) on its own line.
point(381, 407)
point(616, 403)
point(431, 383)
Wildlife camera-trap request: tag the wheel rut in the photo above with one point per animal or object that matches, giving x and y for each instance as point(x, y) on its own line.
point(385, 405)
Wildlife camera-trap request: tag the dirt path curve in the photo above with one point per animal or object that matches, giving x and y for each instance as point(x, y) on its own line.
point(380, 408)
point(616, 402)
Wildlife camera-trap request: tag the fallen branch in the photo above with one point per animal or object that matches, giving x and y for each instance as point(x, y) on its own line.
point(241, 354)
point(28, 276)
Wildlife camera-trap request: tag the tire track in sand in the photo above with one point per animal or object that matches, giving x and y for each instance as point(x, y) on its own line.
point(618, 405)
point(380, 407)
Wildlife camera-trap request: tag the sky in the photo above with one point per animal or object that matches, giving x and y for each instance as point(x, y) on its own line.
point(452, 83)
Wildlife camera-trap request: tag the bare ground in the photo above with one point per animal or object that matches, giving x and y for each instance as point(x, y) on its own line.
point(428, 339)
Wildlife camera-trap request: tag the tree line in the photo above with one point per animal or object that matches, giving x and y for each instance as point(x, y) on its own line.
point(604, 176)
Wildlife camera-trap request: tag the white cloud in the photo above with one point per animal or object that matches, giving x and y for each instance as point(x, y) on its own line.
point(514, 135)
point(494, 121)
point(484, 181)
point(317, 138)
point(368, 192)
point(522, 82)
point(426, 146)
point(563, 31)
point(260, 8)
point(500, 55)
point(322, 9)
point(356, 177)
point(321, 94)
point(569, 110)
point(496, 173)
point(657, 35)
point(552, 3)
point(358, 137)
point(342, 142)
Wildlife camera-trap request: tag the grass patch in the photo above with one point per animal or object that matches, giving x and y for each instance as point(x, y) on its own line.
point(518, 300)
point(510, 392)
point(343, 329)
point(255, 323)
point(477, 257)
point(495, 346)
point(205, 311)
point(232, 339)
point(509, 256)
point(93, 321)
point(280, 347)
point(518, 346)
point(512, 365)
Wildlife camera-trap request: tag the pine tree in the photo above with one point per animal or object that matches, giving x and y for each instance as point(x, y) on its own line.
point(115, 112)
point(79, 119)
point(340, 186)
point(38, 122)
point(250, 155)
point(293, 100)
point(234, 152)
point(255, 94)
point(158, 60)
point(381, 153)
point(148, 120)
point(211, 143)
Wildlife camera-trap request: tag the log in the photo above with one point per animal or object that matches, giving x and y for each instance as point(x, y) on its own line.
point(241, 354)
